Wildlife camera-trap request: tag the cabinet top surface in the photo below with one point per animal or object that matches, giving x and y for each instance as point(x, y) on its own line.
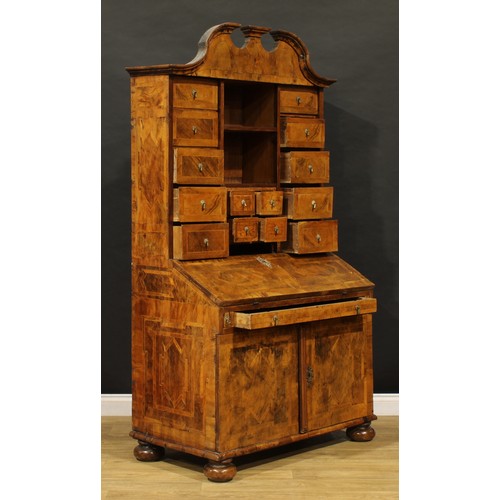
point(270, 277)
point(218, 57)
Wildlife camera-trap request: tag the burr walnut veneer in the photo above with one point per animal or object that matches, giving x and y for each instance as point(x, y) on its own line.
point(248, 332)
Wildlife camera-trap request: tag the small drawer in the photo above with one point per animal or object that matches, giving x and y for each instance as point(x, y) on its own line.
point(241, 203)
point(273, 229)
point(299, 101)
point(305, 167)
point(193, 94)
point(192, 127)
point(245, 230)
point(204, 204)
point(198, 166)
point(309, 203)
point(201, 241)
point(312, 237)
point(302, 132)
point(269, 202)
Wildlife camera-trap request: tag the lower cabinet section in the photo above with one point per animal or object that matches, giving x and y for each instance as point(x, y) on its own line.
point(278, 382)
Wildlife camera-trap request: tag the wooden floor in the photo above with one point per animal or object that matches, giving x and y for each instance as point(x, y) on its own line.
point(329, 467)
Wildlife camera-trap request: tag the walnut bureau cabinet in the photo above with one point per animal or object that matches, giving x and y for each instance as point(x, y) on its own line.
point(248, 331)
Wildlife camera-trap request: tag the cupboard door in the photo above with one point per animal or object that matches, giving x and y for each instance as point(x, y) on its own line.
point(258, 387)
point(336, 371)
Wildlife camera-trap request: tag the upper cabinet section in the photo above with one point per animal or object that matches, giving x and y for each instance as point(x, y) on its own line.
point(218, 57)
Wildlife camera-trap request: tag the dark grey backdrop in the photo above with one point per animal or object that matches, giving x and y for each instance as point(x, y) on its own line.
point(354, 41)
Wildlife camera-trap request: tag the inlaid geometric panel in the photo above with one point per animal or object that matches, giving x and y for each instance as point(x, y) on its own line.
point(170, 376)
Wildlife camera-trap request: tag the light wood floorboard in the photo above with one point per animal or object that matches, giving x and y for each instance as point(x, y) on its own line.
point(327, 467)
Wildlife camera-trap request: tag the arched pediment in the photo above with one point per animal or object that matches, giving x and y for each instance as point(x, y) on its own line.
point(218, 57)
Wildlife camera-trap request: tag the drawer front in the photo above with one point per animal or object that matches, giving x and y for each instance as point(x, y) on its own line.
point(241, 203)
point(204, 204)
point(194, 94)
point(273, 229)
point(269, 202)
point(302, 133)
point(309, 203)
point(302, 167)
point(198, 166)
point(193, 127)
point(201, 241)
point(312, 237)
point(299, 101)
point(282, 317)
point(245, 230)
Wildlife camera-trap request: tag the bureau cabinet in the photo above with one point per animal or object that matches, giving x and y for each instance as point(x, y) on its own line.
point(248, 331)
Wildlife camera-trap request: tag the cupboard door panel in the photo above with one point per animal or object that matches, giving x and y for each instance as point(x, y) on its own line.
point(258, 387)
point(336, 370)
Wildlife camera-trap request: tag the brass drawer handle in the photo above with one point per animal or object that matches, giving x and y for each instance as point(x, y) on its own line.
point(318, 238)
point(314, 204)
point(272, 203)
point(194, 93)
point(299, 100)
point(276, 230)
point(275, 320)
point(203, 204)
point(195, 130)
point(247, 230)
point(306, 131)
point(311, 169)
point(244, 203)
point(205, 242)
point(200, 167)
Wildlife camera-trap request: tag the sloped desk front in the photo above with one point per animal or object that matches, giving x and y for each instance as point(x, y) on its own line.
point(250, 352)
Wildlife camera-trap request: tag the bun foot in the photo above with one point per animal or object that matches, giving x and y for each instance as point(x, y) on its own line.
point(362, 432)
point(147, 452)
point(220, 472)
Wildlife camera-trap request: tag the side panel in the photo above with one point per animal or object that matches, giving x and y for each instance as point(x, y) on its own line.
point(173, 352)
point(150, 170)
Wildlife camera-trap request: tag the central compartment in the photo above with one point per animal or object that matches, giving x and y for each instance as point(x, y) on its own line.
point(251, 147)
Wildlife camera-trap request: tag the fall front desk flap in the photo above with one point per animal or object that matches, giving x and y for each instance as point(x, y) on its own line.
point(269, 277)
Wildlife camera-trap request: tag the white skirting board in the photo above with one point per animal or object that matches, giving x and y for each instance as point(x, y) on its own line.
point(120, 405)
